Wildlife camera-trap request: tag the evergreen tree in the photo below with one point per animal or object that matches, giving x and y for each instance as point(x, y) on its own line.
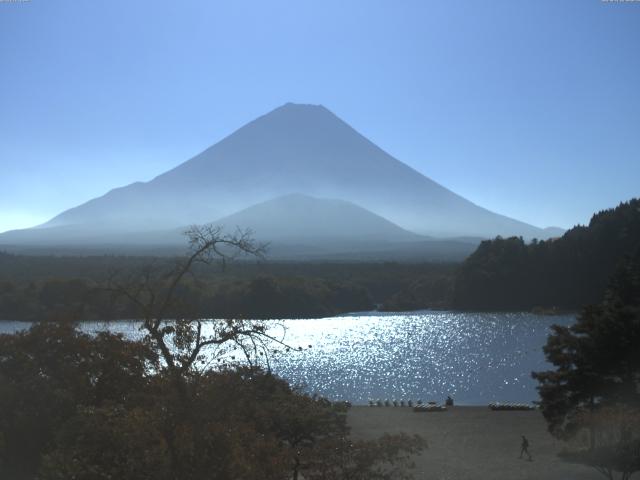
point(596, 383)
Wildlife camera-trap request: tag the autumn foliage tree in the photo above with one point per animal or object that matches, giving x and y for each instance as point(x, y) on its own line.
point(88, 407)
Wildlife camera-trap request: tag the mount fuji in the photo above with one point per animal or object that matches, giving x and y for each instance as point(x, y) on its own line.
point(292, 153)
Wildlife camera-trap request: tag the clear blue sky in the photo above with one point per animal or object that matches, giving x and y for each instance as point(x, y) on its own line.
point(531, 109)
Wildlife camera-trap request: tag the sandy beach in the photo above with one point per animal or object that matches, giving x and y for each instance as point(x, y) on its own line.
point(473, 443)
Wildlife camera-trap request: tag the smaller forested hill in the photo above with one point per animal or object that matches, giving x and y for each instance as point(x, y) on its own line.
point(565, 273)
point(76, 287)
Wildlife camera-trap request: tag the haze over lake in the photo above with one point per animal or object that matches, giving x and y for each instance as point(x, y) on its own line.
point(477, 358)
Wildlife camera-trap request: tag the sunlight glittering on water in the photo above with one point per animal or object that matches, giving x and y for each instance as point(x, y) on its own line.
point(477, 358)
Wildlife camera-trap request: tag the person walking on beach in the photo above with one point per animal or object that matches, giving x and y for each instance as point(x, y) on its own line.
point(524, 448)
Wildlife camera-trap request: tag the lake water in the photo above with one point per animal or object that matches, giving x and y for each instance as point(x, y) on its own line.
point(476, 358)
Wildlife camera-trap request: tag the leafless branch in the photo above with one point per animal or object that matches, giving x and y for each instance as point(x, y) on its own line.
point(181, 341)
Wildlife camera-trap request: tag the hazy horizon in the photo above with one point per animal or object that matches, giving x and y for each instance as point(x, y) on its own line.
point(530, 111)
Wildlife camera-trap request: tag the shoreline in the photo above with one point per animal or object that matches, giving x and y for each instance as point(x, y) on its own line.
point(365, 313)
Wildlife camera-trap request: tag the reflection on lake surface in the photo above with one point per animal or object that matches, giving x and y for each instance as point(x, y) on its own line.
point(474, 357)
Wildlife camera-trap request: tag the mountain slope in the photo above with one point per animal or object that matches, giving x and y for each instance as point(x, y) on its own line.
point(294, 148)
point(288, 219)
point(297, 227)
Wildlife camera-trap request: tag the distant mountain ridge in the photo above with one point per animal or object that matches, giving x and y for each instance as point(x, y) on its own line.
point(302, 149)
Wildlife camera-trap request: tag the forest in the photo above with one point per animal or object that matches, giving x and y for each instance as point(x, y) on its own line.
point(50, 287)
point(552, 275)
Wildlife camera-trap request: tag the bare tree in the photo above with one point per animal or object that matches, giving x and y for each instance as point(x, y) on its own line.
point(172, 326)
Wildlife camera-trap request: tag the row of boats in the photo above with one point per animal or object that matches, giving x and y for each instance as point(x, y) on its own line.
point(420, 406)
point(429, 407)
point(510, 406)
point(394, 403)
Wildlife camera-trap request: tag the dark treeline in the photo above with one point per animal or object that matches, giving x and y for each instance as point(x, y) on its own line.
point(564, 273)
point(49, 287)
point(75, 406)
